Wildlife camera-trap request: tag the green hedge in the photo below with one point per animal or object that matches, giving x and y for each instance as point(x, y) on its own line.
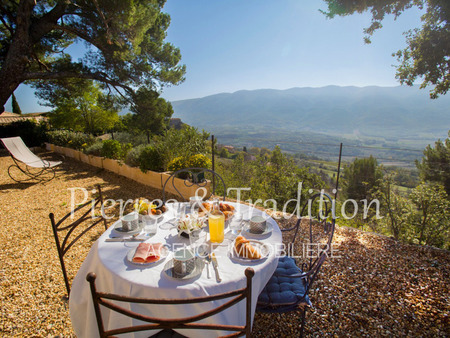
point(156, 156)
point(32, 133)
point(71, 139)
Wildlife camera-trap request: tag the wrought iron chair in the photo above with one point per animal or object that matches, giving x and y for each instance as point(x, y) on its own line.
point(288, 288)
point(104, 299)
point(199, 177)
point(68, 231)
point(33, 166)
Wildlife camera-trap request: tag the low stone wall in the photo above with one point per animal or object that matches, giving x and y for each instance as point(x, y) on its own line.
point(150, 178)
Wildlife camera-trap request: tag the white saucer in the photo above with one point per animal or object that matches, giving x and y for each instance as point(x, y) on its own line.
point(119, 230)
point(266, 231)
point(199, 265)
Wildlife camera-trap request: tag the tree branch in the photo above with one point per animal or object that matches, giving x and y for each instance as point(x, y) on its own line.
point(47, 22)
point(11, 31)
point(8, 14)
point(101, 77)
point(102, 16)
point(78, 33)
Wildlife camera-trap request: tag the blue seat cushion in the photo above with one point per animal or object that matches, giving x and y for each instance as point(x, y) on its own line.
point(283, 294)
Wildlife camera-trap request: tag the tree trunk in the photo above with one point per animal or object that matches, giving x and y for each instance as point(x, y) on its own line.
point(16, 60)
point(15, 64)
point(20, 52)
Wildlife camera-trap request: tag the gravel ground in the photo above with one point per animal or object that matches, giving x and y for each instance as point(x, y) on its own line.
point(378, 287)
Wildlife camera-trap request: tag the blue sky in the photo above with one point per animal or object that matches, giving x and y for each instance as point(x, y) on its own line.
point(251, 44)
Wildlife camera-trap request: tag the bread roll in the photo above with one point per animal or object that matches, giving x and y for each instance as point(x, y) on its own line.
point(245, 249)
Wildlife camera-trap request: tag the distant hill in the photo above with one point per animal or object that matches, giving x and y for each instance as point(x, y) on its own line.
point(389, 112)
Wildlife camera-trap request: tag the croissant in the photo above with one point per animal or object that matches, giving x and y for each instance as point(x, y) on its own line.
point(228, 214)
point(245, 249)
point(207, 206)
point(226, 207)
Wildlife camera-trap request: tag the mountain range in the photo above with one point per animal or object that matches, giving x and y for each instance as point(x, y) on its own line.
point(372, 112)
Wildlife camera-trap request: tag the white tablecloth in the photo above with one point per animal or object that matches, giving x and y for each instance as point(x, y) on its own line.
point(116, 275)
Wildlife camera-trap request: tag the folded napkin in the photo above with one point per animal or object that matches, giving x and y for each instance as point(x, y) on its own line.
point(147, 253)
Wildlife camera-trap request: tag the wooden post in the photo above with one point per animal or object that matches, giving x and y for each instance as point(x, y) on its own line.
point(213, 164)
point(338, 173)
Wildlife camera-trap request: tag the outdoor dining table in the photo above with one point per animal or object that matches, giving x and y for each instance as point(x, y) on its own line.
point(116, 274)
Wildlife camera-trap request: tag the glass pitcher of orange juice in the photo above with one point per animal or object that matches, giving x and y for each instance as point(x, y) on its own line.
point(216, 220)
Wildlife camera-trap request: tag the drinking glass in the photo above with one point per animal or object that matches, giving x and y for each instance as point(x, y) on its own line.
point(197, 239)
point(236, 224)
point(216, 221)
point(180, 211)
point(150, 225)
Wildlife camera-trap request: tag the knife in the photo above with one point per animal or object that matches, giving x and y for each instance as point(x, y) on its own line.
point(126, 239)
point(216, 266)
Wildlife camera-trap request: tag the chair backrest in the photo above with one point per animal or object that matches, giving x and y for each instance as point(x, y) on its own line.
point(325, 210)
point(69, 229)
point(318, 248)
point(104, 299)
point(321, 225)
point(194, 177)
point(20, 151)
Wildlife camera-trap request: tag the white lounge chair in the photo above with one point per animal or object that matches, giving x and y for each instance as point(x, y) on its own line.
point(20, 153)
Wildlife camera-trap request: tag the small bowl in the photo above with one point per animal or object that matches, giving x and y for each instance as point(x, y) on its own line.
point(257, 224)
point(130, 222)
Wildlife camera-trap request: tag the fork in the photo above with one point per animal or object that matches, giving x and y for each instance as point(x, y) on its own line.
point(208, 260)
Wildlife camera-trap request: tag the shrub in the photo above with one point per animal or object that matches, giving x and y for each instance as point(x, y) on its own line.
point(59, 137)
point(199, 161)
point(195, 161)
point(115, 150)
point(185, 142)
point(134, 139)
point(177, 163)
point(71, 139)
point(94, 149)
point(32, 133)
point(132, 158)
point(111, 149)
point(152, 158)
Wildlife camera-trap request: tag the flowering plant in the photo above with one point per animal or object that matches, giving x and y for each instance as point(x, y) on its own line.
point(190, 223)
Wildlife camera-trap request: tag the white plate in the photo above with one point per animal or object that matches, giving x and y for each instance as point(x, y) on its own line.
point(263, 249)
point(268, 230)
point(164, 253)
point(199, 265)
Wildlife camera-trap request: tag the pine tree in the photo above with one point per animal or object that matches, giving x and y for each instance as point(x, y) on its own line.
point(15, 105)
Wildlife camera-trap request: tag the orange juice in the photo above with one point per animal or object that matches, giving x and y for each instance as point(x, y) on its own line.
point(216, 227)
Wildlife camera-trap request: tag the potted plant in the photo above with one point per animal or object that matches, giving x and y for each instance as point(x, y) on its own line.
point(199, 161)
point(188, 224)
point(179, 163)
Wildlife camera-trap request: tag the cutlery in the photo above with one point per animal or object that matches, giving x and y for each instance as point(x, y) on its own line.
point(125, 239)
point(216, 267)
point(208, 260)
